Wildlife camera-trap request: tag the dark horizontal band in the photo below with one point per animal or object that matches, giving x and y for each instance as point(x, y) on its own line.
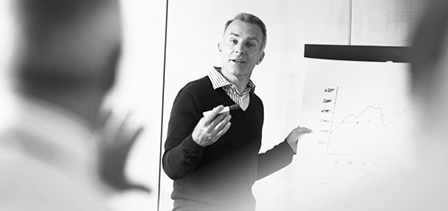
point(358, 53)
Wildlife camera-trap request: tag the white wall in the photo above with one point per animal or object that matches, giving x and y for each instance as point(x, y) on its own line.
point(139, 92)
point(6, 44)
point(384, 22)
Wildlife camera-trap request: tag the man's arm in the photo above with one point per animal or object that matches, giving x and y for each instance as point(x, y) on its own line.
point(281, 155)
point(182, 154)
point(189, 133)
point(274, 159)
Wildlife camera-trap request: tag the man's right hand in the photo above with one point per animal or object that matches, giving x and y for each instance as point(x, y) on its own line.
point(211, 127)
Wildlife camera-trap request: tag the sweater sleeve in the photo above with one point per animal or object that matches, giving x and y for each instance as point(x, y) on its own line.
point(182, 154)
point(274, 159)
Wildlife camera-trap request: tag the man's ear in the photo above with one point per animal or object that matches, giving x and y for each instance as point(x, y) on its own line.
point(219, 47)
point(260, 58)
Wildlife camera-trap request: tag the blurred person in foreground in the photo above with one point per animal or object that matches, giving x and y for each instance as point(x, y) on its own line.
point(424, 184)
point(214, 157)
point(429, 70)
point(54, 155)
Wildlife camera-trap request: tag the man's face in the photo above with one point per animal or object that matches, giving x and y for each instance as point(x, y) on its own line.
point(241, 48)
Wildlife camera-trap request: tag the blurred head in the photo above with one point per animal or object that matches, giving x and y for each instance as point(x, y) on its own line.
point(430, 65)
point(242, 45)
point(67, 45)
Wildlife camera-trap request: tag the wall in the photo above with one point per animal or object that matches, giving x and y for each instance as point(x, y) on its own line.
point(6, 44)
point(384, 22)
point(139, 92)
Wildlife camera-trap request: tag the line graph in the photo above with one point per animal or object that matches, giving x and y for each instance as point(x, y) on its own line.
point(359, 110)
point(361, 114)
point(381, 116)
point(354, 125)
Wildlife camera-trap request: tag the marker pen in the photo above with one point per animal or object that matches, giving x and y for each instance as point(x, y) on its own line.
point(225, 109)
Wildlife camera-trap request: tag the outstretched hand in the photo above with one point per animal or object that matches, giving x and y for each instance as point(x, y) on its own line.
point(117, 137)
point(211, 127)
point(293, 137)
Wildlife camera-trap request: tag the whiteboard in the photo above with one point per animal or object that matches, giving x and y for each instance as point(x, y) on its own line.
point(361, 114)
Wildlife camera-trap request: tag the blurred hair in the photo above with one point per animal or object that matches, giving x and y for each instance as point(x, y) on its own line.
point(47, 30)
point(47, 13)
point(249, 18)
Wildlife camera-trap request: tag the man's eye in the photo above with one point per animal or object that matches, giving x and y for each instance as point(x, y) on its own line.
point(251, 45)
point(233, 41)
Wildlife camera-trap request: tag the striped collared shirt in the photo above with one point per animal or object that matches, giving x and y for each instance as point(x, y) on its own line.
point(219, 81)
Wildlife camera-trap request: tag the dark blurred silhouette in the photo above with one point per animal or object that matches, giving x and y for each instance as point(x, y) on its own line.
point(430, 91)
point(58, 153)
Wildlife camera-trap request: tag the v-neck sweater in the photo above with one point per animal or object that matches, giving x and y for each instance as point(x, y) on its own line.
point(219, 176)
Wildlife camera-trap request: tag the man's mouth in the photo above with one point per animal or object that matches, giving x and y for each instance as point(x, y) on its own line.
point(238, 60)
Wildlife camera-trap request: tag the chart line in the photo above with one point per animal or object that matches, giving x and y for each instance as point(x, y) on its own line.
point(379, 109)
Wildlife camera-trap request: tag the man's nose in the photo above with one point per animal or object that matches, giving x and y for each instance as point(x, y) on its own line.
point(239, 49)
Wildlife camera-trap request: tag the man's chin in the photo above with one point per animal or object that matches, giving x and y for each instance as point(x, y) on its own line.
point(238, 67)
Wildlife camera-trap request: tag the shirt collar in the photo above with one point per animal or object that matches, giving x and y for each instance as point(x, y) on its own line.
point(219, 81)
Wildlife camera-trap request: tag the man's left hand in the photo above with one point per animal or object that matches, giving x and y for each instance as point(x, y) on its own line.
point(293, 137)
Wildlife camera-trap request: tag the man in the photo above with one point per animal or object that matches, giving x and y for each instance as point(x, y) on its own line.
point(213, 157)
point(64, 65)
point(429, 87)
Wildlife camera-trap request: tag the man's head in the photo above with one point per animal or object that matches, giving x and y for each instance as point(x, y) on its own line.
point(66, 45)
point(430, 44)
point(242, 45)
point(249, 18)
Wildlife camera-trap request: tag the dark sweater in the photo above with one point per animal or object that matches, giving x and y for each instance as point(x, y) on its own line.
point(219, 176)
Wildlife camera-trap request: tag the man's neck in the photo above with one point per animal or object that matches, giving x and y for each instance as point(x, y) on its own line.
point(239, 81)
point(86, 106)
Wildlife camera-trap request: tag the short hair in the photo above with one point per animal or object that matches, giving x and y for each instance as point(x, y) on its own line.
point(38, 17)
point(249, 18)
point(428, 43)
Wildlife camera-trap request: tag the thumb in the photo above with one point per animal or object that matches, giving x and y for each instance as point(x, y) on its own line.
point(210, 115)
